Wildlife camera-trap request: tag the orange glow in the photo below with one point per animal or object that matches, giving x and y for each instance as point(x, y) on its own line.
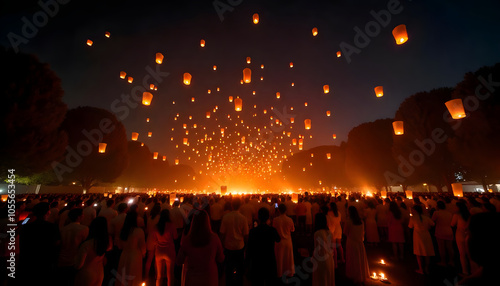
point(155, 155)
point(238, 104)
point(458, 190)
point(328, 113)
point(202, 43)
point(379, 91)
point(147, 97)
point(255, 18)
point(150, 134)
point(398, 127)
point(187, 78)
point(249, 60)
point(107, 34)
point(247, 75)
point(291, 65)
point(215, 67)
point(315, 31)
point(409, 194)
point(102, 147)
point(334, 136)
point(326, 88)
point(130, 79)
point(328, 156)
point(90, 43)
point(456, 108)
point(339, 54)
point(135, 136)
point(159, 58)
point(123, 74)
point(278, 95)
point(400, 34)
point(307, 124)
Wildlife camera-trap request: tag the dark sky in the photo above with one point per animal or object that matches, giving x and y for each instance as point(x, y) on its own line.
point(446, 39)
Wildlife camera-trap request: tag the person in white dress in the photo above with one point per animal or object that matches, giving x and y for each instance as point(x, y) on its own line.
point(334, 219)
point(356, 261)
point(284, 249)
point(324, 273)
point(422, 241)
point(443, 233)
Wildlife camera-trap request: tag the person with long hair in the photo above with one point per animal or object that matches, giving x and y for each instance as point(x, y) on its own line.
point(152, 221)
point(334, 218)
point(161, 242)
point(422, 241)
point(201, 250)
point(460, 220)
point(371, 228)
point(356, 261)
point(284, 249)
point(396, 230)
point(133, 247)
point(324, 273)
point(443, 233)
point(90, 257)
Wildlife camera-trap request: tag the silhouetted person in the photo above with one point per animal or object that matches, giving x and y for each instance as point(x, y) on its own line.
point(260, 251)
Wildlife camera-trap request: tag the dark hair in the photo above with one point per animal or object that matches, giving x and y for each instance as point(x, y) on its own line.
point(164, 218)
point(394, 209)
point(128, 225)
point(441, 205)
point(40, 210)
point(98, 230)
point(263, 215)
point(370, 204)
point(418, 209)
point(282, 208)
point(236, 203)
point(73, 214)
point(320, 222)
point(110, 202)
point(155, 210)
point(122, 207)
point(335, 210)
point(463, 211)
point(354, 215)
point(403, 206)
point(200, 233)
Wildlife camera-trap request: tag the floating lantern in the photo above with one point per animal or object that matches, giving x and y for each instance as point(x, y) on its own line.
point(291, 65)
point(130, 79)
point(305, 104)
point(247, 75)
point(147, 97)
point(262, 66)
point(328, 113)
point(295, 198)
point(202, 43)
point(379, 91)
point(207, 114)
point(155, 155)
point(315, 31)
point(90, 43)
point(409, 194)
point(278, 95)
point(184, 141)
point(164, 158)
point(255, 18)
point(456, 108)
point(339, 54)
point(249, 60)
point(215, 67)
point(150, 134)
point(187, 78)
point(383, 194)
point(123, 74)
point(159, 58)
point(107, 34)
point(307, 124)
point(400, 34)
point(192, 99)
point(176, 161)
point(238, 104)
point(152, 86)
point(328, 156)
point(334, 136)
point(102, 147)
point(230, 99)
point(326, 88)
point(135, 136)
point(292, 120)
point(458, 190)
point(398, 127)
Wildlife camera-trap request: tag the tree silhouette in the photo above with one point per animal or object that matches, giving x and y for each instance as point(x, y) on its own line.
point(86, 128)
point(30, 114)
point(368, 154)
point(423, 145)
point(477, 136)
point(140, 167)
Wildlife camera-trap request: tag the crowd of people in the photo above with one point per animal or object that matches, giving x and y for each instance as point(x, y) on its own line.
point(126, 239)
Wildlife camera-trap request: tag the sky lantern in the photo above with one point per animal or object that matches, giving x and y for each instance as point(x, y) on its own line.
point(123, 74)
point(398, 127)
point(135, 136)
point(187, 78)
point(339, 54)
point(102, 147)
point(247, 75)
point(292, 120)
point(334, 136)
point(456, 108)
point(305, 104)
point(315, 31)
point(152, 86)
point(249, 60)
point(326, 88)
point(307, 124)
point(90, 43)
point(147, 119)
point(291, 64)
point(278, 95)
point(150, 134)
point(328, 156)
point(215, 67)
point(192, 99)
point(130, 79)
point(409, 194)
point(147, 97)
point(262, 66)
point(400, 34)
point(155, 155)
point(142, 144)
point(176, 161)
point(202, 43)
point(230, 98)
point(164, 158)
point(238, 104)
point(379, 91)
point(328, 113)
point(255, 18)
point(159, 58)
point(184, 141)
point(107, 34)
point(208, 114)
point(458, 189)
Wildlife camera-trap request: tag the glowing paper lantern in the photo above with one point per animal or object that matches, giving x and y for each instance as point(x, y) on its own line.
point(150, 134)
point(292, 120)
point(147, 119)
point(278, 95)
point(184, 141)
point(238, 104)
point(328, 113)
point(400, 34)
point(339, 54)
point(89, 43)
point(456, 108)
point(208, 114)
point(334, 136)
point(152, 86)
point(176, 161)
point(164, 158)
point(326, 88)
point(202, 43)
point(409, 194)
point(215, 67)
point(135, 136)
point(130, 79)
point(107, 34)
point(262, 66)
point(328, 156)
point(315, 31)
point(255, 18)
point(147, 97)
point(307, 124)
point(291, 65)
point(383, 194)
point(187, 78)
point(102, 147)
point(458, 189)
point(398, 127)
point(295, 198)
point(230, 99)
point(123, 74)
point(155, 155)
point(379, 91)
point(247, 75)
point(249, 60)
point(159, 58)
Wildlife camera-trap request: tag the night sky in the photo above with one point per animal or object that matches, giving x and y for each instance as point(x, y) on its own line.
point(446, 40)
